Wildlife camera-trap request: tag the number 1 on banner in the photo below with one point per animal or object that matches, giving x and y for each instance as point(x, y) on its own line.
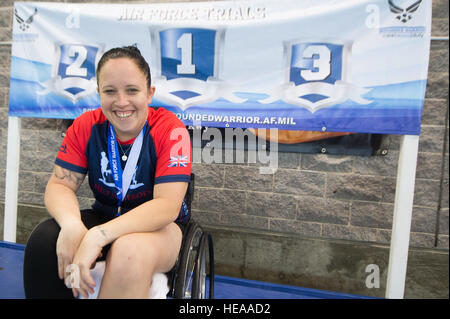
point(185, 44)
point(187, 53)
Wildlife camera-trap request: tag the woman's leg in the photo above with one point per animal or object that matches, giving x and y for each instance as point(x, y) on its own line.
point(134, 258)
point(40, 264)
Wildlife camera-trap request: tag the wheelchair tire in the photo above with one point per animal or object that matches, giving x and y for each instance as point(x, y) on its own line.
point(199, 277)
point(200, 271)
point(186, 267)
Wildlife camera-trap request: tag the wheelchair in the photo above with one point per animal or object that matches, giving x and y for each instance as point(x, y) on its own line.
point(192, 277)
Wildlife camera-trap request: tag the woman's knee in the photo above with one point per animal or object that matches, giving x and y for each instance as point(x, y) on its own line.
point(140, 255)
point(127, 260)
point(40, 271)
point(43, 237)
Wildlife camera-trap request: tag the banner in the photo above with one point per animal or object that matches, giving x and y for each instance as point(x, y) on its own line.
point(330, 66)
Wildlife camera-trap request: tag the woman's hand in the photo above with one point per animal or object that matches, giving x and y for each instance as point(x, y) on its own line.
point(69, 239)
point(88, 251)
point(62, 204)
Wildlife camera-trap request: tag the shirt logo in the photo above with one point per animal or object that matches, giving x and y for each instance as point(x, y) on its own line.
point(63, 148)
point(107, 177)
point(178, 161)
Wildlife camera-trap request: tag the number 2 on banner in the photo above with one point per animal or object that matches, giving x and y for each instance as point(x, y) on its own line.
point(323, 63)
point(185, 44)
point(75, 68)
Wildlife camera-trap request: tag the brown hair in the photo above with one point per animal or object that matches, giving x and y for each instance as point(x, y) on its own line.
point(131, 52)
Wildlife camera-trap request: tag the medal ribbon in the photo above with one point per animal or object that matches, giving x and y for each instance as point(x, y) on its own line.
point(122, 180)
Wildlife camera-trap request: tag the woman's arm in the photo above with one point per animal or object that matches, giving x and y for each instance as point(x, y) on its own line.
point(62, 204)
point(159, 212)
point(60, 199)
point(149, 216)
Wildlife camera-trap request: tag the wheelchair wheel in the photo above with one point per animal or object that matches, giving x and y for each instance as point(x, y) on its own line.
point(200, 271)
point(191, 272)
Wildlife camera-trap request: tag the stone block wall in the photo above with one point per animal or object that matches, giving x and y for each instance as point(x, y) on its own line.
point(310, 195)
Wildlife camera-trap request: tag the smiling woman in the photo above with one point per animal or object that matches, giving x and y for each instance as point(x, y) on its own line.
point(125, 93)
point(136, 222)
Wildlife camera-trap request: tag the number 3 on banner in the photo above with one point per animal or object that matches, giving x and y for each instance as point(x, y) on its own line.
point(185, 44)
point(323, 63)
point(75, 68)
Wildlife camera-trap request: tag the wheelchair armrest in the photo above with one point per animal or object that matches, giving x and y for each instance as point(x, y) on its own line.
point(189, 197)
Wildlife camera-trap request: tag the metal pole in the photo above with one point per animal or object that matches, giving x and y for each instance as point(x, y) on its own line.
point(12, 179)
point(401, 225)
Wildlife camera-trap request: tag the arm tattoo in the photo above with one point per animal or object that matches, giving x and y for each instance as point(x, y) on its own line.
point(102, 231)
point(64, 174)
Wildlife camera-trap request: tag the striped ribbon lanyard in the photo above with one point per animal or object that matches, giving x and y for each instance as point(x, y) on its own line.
point(122, 180)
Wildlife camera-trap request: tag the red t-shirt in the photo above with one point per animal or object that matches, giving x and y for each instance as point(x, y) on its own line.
point(165, 157)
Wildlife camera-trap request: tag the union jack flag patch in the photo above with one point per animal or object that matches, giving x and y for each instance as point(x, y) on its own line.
point(178, 161)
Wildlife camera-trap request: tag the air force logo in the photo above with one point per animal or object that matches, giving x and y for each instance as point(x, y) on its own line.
point(74, 73)
point(188, 67)
point(316, 76)
point(24, 22)
point(404, 14)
